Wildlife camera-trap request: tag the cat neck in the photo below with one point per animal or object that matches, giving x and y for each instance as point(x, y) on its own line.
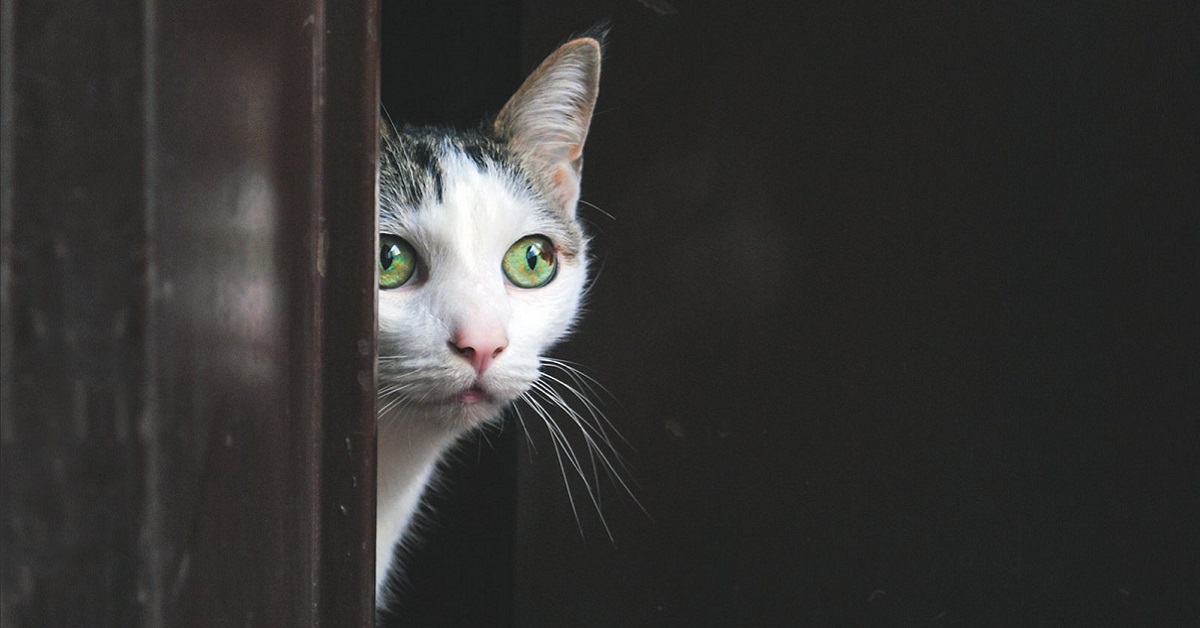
point(408, 450)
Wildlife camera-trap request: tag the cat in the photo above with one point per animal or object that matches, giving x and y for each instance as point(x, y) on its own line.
point(482, 268)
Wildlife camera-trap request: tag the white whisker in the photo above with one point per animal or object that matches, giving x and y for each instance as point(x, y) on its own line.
point(528, 399)
point(595, 431)
point(525, 429)
point(597, 208)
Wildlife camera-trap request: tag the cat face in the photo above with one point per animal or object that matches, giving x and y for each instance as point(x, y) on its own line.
point(494, 279)
point(482, 263)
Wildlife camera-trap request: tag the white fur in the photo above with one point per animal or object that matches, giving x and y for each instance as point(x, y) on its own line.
point(462, 240)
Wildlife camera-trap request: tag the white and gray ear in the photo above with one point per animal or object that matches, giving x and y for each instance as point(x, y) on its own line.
point(546, 121)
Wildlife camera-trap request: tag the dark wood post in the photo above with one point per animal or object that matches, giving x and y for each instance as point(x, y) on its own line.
point(188, 333)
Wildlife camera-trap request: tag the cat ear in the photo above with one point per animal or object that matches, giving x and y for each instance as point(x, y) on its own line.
point(546, 121)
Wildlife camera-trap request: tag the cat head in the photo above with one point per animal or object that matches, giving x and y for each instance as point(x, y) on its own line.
point(482, 263)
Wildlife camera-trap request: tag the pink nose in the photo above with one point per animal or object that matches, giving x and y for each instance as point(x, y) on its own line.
point(479, 345)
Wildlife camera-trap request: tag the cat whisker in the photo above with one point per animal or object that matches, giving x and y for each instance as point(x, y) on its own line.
point(559, 436)
point(597, 414)
point(574, 368)
point(558, 400)
point(396, 387)
point(583, 380)
point(537, 408)
point(483, 434)
point(592, 443)
point(524, 428)
point(389, 420)
point(593, 448)
point(579, 419)
point(597, 208)
point(392, 403)
point(586, 381)
point(393, 357)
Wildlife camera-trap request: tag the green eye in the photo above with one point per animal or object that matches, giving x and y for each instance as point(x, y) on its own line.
point(530, 263)
point(397, 261)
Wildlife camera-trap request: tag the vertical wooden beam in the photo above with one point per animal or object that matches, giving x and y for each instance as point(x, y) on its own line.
point(188, 312)
point(74, 295)
point(351, 97)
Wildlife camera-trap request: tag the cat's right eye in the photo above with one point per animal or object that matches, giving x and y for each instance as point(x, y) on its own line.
point(397, 261)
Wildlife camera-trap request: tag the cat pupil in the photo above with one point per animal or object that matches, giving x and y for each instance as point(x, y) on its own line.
point(531, 256)
point(387, 255)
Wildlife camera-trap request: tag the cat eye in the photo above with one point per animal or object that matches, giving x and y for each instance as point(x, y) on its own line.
point(530, 263)
point(397, 261)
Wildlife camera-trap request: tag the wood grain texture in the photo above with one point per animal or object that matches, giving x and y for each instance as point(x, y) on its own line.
point(188, 429)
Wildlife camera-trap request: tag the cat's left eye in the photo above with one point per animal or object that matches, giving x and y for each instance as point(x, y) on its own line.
point(397, 261)
point(531, 262)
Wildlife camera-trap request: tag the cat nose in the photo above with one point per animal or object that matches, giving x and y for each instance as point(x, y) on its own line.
point(479, 346)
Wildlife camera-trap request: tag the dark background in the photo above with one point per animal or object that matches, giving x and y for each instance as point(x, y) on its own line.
point(897, 307)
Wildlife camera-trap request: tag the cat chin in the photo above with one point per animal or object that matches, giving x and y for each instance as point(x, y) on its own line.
point(458, 413)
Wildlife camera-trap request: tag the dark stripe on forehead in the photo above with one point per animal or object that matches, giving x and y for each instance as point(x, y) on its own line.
point(427, 165)
point(410, 169)
point(484, 151)
point(413, 172)
point(412, 162)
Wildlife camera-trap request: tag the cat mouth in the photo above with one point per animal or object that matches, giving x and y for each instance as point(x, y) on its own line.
point(475, 395)
point(472, 395)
